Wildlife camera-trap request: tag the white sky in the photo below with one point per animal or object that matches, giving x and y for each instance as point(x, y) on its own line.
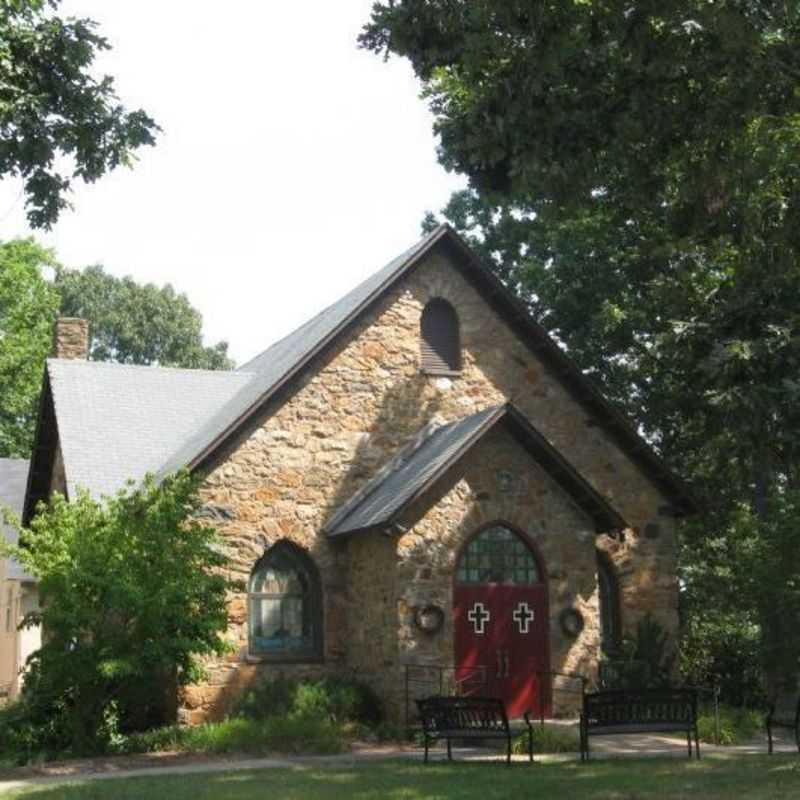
point(291, 166)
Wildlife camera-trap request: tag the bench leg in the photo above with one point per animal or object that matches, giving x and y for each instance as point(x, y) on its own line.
point(689, 740)
point(769, 739)
point(508, 750)
point(797, 738)
point(697, 741)
point(449, 751)
point(426, 749)
point(530, 745)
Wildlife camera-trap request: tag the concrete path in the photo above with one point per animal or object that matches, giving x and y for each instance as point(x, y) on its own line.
point(622, 746)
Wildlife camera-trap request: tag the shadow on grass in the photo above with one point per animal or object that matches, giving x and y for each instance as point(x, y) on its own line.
point(713, 778)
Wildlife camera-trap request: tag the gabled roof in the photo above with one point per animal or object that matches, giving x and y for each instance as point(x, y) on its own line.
point(13, 480)
point(277, 365)
point(434, 450)
point(117, 422)
point(284, 359)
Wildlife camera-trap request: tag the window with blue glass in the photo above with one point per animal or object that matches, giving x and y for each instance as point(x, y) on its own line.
point(285, 608)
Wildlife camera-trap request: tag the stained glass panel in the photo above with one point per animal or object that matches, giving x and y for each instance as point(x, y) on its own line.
point(282, 600)
point(497, 555)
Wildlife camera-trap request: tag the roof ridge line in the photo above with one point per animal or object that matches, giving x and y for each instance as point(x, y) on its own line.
point(404, 262)
point(84, 362)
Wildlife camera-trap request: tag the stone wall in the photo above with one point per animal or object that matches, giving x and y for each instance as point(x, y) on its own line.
point(392, 577)
point(293, 466)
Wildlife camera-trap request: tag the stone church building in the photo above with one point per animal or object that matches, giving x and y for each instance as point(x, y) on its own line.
point(416, 477)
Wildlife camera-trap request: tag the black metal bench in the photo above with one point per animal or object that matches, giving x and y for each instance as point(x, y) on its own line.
point(639, 711)
point(784, 713)
point(470, 718)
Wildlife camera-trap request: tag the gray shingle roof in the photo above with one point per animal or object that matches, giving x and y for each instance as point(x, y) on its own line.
point(118, 422)
point(435, 449)
point(286, 356)
point(13, 482)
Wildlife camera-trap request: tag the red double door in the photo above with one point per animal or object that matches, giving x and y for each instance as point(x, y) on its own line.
point(503, 630)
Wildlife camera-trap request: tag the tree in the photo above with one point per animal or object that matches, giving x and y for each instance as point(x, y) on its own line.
point(54, 115)
point(28, 307)
point(133, 323)
point(133, 597)
point(633, 175)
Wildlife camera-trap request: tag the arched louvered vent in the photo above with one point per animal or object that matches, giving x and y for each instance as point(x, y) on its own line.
point(440, 344)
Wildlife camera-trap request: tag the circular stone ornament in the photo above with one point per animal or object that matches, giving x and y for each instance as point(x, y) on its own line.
point(429, 619)
point(571, 622)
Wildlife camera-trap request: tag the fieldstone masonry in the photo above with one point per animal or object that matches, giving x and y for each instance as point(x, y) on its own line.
point(311, 449)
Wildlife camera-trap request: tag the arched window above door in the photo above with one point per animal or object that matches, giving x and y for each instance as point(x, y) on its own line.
point(284, 601)
point(498, 555)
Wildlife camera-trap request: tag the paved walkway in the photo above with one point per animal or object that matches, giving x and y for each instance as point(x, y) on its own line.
point(622, 746)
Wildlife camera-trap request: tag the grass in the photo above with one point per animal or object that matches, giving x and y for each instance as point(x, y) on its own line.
point(714, 778)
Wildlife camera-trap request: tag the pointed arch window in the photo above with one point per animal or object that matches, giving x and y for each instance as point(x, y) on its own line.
point(497, 555)
point(284, 606)
point(440, 341)
point(610, 617)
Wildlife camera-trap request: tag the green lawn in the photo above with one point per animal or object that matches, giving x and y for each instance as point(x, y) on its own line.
point(713, 778)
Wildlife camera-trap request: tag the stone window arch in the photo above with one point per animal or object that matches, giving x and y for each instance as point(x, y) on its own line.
point(440, 339)
point(609, 600)
point(285, 606)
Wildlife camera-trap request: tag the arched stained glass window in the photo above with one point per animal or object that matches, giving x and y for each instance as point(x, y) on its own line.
point(498, 555)
point(284, 605)
point(440, 343)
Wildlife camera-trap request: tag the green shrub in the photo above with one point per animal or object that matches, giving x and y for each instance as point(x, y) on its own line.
point(132, 598)
point(334, 699)
point(239, 735)
point(736, 725)
point(721, 647)
point(549, 739)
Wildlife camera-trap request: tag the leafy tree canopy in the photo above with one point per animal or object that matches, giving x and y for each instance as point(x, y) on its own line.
point(133, 323)
point(132, 596)
point(58, 121)
point(634, 177)
point(28, 307)
point(633, 168)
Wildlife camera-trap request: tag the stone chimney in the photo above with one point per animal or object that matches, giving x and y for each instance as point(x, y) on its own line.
point(71, 338)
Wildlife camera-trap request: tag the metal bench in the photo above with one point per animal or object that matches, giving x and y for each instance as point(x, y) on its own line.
point(784, 713)
point(469, 718)
point(639, 711)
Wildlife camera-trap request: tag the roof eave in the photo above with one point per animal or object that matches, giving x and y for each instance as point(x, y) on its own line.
point(581, 385)
point(605, 517)
point(375, 295)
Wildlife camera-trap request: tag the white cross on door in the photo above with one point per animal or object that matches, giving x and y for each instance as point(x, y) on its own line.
point(523, 615)
point(478, 615)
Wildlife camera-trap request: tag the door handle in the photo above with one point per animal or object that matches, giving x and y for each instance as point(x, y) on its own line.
point(499, 664)
point(507, 664)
